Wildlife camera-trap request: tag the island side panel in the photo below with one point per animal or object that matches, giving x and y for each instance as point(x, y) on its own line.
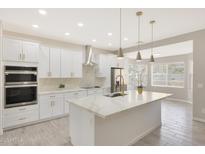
point(81, 126)
point(127, 127)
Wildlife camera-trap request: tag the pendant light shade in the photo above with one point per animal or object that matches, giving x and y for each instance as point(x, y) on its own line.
point(120, 54)
point(139, 57)
point(152, 58)
point(152, 36)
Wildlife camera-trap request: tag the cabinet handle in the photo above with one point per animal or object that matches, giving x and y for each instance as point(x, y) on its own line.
point(22, 109)
point(52, 96)
point(20, 56)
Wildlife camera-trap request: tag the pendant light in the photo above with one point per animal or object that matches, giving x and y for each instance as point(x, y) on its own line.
point(152, 36)
point(120, 54)
point(139, 57)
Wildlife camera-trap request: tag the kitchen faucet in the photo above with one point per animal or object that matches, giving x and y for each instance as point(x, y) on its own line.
point(121, 85)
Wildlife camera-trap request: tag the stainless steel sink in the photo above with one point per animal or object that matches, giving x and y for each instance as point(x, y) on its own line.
point(116, 94)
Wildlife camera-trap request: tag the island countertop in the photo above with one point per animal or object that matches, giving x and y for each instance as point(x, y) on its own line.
point(104, 106)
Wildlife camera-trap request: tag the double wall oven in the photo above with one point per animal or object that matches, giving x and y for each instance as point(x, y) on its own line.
point(20, 86)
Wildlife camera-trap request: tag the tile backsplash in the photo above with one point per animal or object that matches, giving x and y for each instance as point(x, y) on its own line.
point(89, 79)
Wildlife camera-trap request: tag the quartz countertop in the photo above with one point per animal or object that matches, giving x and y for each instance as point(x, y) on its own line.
point(104, 106)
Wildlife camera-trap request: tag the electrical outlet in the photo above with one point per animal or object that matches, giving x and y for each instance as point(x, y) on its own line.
point(203, 110)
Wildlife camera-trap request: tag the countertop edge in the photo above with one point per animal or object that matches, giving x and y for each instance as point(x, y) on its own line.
point(106, 116)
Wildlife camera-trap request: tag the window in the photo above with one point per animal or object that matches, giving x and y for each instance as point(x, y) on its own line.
point(168, 75)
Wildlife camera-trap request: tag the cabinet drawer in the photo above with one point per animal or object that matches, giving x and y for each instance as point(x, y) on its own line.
point(13, 120)
point(95, 91)
point(19, 110)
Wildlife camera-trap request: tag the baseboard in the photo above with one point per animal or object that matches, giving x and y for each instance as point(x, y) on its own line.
point(199, 119)
point(178, 100)
point(143, 134)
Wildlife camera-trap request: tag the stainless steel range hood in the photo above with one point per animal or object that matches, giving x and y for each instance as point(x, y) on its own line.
point(89, 56)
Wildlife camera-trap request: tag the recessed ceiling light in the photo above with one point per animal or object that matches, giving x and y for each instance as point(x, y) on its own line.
point(109, 44)
point(35, 26)
point(80, 24)
point(125, 38)
point(67, 34)
point(109, 34)
point(94, 40)
point(42, 12)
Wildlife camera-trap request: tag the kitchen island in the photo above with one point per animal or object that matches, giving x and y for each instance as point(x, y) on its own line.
point(102, 120)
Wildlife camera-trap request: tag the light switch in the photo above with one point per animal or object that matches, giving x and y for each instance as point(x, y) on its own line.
point(200, 85)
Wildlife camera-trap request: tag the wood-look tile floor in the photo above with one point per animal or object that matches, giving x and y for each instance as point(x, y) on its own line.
point(177, 129)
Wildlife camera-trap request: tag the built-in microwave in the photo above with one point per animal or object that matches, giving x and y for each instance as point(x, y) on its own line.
point(20, 86)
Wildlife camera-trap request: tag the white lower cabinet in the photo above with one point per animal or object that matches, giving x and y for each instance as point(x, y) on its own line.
point(72, 95)
point(20, 115)
point(51, 105)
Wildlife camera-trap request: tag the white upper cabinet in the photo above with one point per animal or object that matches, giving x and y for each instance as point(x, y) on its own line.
point(17, 50)
point(30, 52)
point(102, 65)
point(71, 64)
point(12, 49)
point(66, 68)
point(77, 62)
point(60, 63)
point(55, 66)
point(49, 65)
point(112, 60)
point(44, 62)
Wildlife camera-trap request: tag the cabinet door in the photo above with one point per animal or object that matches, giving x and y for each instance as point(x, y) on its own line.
point(112, 60)
point(66, 63)
point(44, 62)
point(55, 62)
point(58, 105)
point(77, 62)
point(12, 49)
point(45, 107)
point(30, 52)
point(102, 65)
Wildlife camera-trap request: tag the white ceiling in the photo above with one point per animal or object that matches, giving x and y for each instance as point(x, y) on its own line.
point(165, 51)
point(98, 22)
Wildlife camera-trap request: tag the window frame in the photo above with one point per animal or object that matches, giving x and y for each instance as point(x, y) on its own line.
point(166, 81)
